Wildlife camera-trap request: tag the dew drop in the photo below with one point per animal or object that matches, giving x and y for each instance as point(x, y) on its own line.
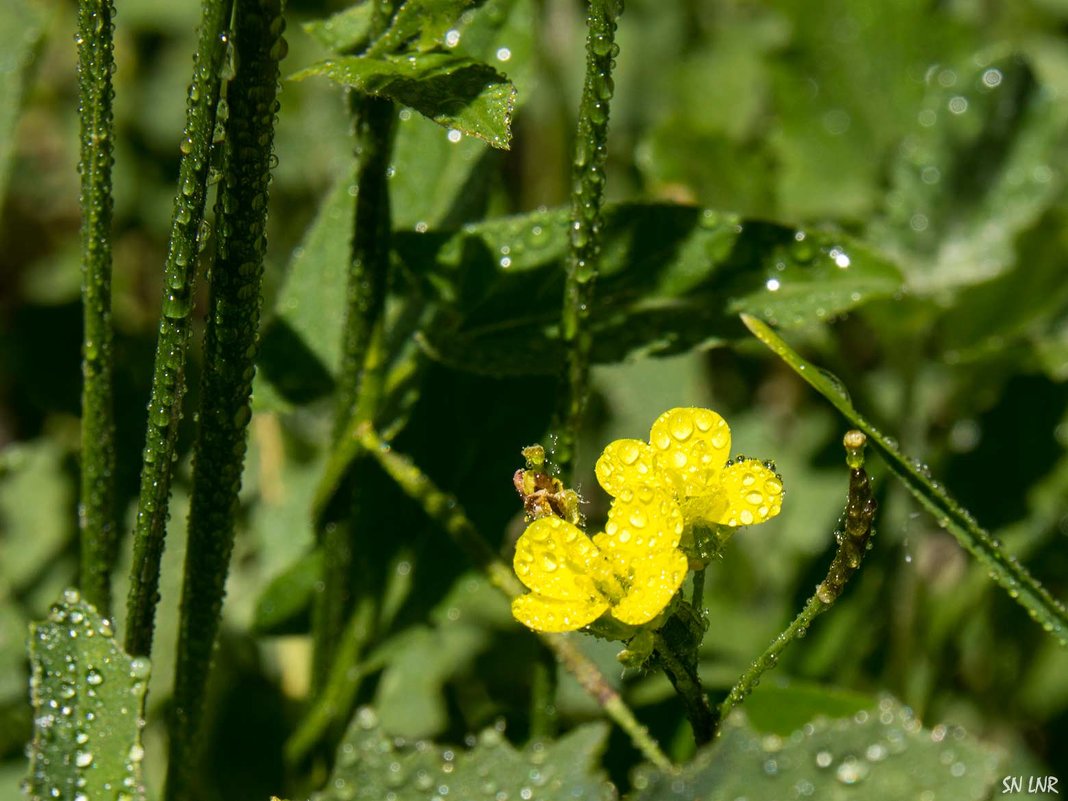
point(852, 771)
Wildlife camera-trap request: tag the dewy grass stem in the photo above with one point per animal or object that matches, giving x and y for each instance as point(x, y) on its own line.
point(229, 365)
point(97, 515)
point(587, 197)
point(854, 538)
point(168, 378)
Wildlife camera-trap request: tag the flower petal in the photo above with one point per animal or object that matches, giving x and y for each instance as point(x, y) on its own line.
point(555, 558)
point(753, 493)
point(626, 463)
point(691, 445)
point(641, 542)
point(642, 521)
point(654, 581)
point(548, 614)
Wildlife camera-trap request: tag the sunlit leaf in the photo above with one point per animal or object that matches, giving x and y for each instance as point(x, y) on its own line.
point(437, 181)
point(671, 278)
point(457, 92)
point(430, 23)
point(371, 766)
point(88, 698)
point(345, 31)
point(782, 709)
point(882, 752)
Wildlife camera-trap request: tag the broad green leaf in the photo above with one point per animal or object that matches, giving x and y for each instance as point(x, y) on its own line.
point(433, 180)
point(409, 700)
point(1023, 302)
point(979, 168)
point(35, 495)
point(1004, 568)
point(431, 23)
point(782, 709)
point(454, 91)
point(343, 32)
point(437, 181)
point(842, 109)
point(302, 345)
point(12, 652)
point(88, 698)
point(21, 28)
point(671, 277)
point(371, 767)
point(283, 605)
point(879, 753)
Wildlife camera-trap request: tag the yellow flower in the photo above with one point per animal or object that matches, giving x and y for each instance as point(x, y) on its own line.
point(687, 454)
point(632, 569)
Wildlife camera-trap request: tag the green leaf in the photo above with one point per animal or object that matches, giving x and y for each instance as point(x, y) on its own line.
point(428, 22)
point(410, 699)
point(454, 91)
point(437, 182)
point(21, 29)
point(282, 607)
point(35, 496)
point(782, 709)
point(1004, 569)
point(302, 345)
point(371, 766)
point(670, 279)
point(977, 171)
point(88, 698)
point(346, 31)
point(882, 753)
point(12, 652)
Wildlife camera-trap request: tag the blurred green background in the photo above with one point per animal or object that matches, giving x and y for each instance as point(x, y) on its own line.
point(935, 132)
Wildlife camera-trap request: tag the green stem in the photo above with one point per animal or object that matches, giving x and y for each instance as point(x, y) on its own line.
point(587, 196)
point(697, 596)
point(543, 718)
point(357, 379)
point(97, 518)
point(229, 365)
point(369, 269)
point(444, 509)
point(1014, 578)
point(683, 677)
point(168, 378)
point(334, 702)
point(854, 538)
